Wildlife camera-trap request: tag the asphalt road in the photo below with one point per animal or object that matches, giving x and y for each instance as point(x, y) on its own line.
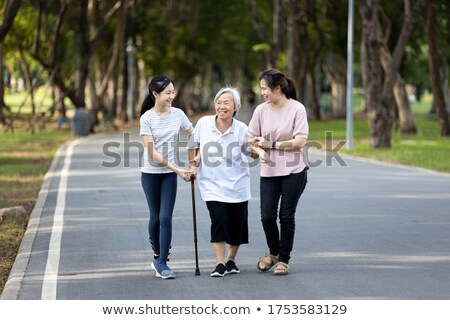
point(365, 230)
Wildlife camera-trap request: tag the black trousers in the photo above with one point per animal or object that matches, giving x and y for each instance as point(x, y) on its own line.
point(288, 189)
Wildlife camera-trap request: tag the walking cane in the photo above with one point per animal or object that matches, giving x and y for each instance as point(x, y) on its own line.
point(194, 220)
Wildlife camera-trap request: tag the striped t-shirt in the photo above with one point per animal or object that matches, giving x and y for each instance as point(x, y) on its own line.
point(164, 130)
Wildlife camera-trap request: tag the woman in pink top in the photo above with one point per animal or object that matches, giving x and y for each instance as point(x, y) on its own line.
point(277, 133)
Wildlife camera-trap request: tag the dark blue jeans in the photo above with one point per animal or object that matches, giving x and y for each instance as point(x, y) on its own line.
point(289, 189)
point(160, 190)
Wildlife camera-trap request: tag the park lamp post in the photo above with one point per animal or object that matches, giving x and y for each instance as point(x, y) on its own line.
point(349, 122)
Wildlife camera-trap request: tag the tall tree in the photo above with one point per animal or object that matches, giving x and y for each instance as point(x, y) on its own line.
point(104, 64)
point(298, 42)
point(11, 9)
point(434, 69)
point(381, 114)
point(314, 51)
point(271, 42)
point(377, 114)
point(76, 47)
point(402, 104)
point(334, 54)
point(122, 84)
point(411, 17)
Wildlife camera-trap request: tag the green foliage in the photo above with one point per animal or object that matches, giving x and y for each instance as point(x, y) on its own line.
point(21, 37)
point(193, 40)
point(414, 67)
point(261, 47)
point(186, 38)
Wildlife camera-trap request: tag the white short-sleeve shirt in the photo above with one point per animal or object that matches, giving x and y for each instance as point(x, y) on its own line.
point(224, 173)
point(164, 130)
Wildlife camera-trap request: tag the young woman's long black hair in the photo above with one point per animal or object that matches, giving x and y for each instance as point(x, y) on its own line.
point(158, 84)
point(276, 78)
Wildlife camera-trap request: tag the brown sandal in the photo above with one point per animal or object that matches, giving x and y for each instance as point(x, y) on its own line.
point(268, 261)
point(281, 269)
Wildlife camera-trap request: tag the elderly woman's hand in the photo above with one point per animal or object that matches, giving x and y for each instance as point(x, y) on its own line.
point(262, 142)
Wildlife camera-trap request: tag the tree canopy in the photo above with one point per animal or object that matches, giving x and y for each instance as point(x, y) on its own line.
point(82, 48)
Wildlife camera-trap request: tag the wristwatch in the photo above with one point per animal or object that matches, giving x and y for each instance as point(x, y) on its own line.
point(273, 144)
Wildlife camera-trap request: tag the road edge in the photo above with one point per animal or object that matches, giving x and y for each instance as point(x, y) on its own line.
point(17, 273)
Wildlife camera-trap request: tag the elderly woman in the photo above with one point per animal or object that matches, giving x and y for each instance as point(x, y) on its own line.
point(218, 149)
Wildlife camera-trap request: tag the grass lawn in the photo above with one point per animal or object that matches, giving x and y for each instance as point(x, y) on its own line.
point(426, 149)
point(42, 98)
point(24, 160)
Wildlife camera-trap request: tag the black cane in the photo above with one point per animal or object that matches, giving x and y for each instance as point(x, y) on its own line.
point(194, 220)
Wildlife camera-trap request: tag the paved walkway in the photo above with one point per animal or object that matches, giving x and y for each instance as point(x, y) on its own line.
point(366, 230)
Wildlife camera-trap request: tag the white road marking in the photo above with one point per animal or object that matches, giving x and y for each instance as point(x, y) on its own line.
point(50, 282)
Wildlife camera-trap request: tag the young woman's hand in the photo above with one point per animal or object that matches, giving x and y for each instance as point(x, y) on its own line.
point(263, 156)
point(184, 174)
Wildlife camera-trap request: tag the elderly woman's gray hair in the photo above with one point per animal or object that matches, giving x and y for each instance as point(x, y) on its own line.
point(236, 97)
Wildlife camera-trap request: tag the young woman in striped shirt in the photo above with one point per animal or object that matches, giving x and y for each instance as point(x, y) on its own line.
point(160, 124)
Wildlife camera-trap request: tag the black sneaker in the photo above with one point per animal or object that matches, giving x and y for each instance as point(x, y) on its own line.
point(219, 271)
point(231, 267)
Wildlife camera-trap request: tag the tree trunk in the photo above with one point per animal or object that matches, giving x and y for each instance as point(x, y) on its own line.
point(314, 102)
point(278, 31)
point(29, 86)
point(339, 99)
point(82, 40)
point(58, 102)
point(113, 96)
point(433, 64)
point(335, 73)
point(405, 115)
point(377, 114)
point(410, 19)
point(10, 12)
point(123, 73)
point(314, 61)
point(95, 103)
point(68, 92)
point(94, 100)
point(297, 56)
point(11, 9)
point(445, 85)
point(142, 82)
point(2, 88)
point(364, 64)
point(28, 81)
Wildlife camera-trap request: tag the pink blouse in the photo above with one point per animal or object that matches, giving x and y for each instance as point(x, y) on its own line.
point(285, 123)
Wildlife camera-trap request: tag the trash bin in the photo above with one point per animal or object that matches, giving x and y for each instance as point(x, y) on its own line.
point(80, 123)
